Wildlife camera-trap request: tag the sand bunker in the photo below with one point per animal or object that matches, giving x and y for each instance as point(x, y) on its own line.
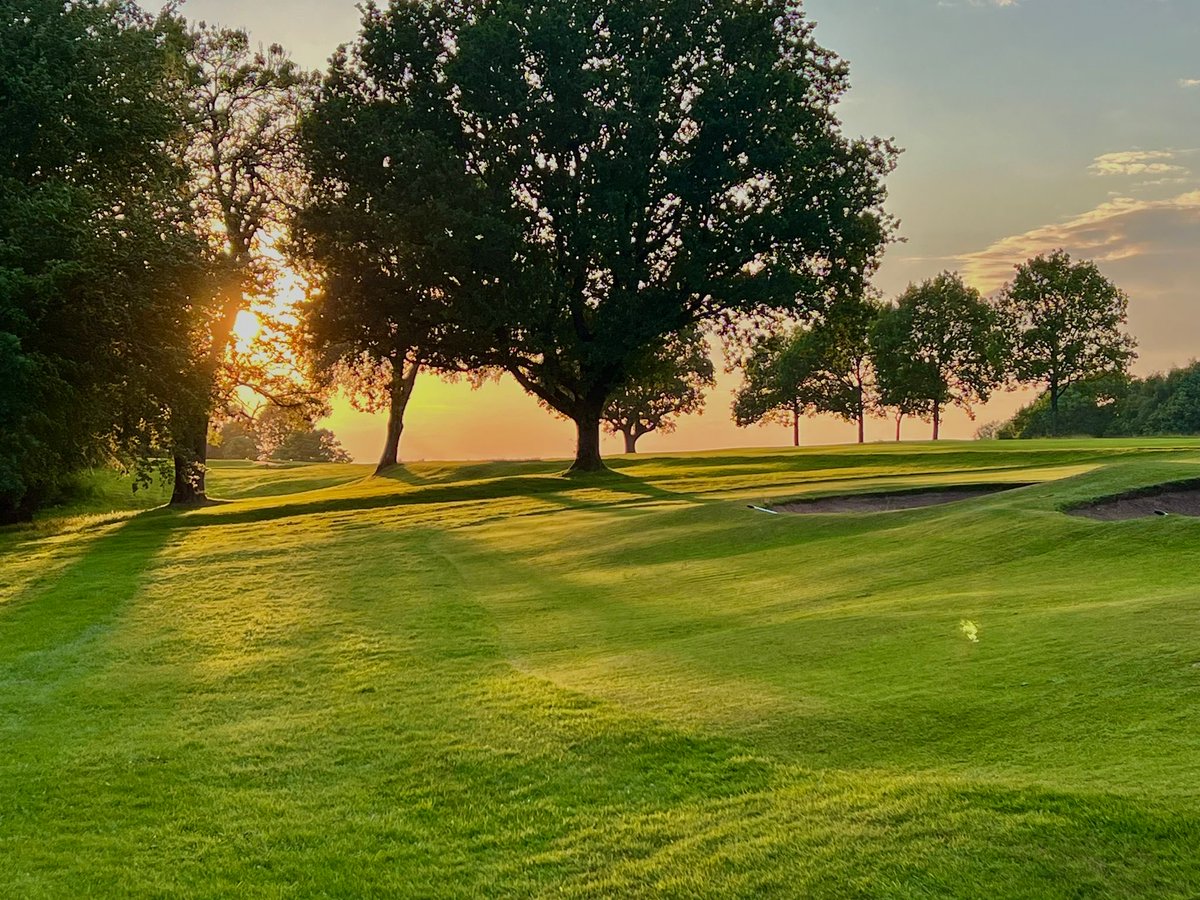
point(1179, 499)
point(895, 500)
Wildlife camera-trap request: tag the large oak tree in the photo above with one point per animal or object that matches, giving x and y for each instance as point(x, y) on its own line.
point(611, 173)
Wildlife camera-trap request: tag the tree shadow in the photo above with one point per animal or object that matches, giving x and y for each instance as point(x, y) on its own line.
point(402, 474)
point(566, 492)
point(49, 624)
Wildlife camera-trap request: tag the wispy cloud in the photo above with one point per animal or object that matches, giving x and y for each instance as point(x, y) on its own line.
point(1139, 163)
point(1188, 83)
point(1122, 228)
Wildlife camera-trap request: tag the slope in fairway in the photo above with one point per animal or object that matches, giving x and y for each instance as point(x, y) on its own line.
point(491, 680)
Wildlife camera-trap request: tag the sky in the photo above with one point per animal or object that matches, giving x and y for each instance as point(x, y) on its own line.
point(1027, 125)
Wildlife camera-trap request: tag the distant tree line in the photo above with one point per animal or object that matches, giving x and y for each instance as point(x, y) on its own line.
point(1115, 406)
point(277, 434)
point(1058, 324)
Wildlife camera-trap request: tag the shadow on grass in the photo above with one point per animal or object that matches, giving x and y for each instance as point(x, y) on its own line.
point(48, 625)
point(565, 491)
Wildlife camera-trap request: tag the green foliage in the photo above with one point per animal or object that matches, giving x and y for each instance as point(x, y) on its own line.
point(1117, 406)
point(670, 383)
point(597, 175)
point(1162, 404)
point(375, 231)
point(99, 260)
point(236, 439)
point(241, 155)
point(288, 434)
point(311, 445)
point(822, 368)
point(1065, 321)
point(1088, 408)
point(941, 345)
point(780, 380)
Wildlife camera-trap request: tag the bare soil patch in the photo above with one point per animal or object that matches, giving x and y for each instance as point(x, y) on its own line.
point(895, 500)
point(1182, 498)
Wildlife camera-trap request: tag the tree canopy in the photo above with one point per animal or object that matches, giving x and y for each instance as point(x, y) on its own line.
point(1066, 322)
point(939, 346)
point(243, 104)
point(670, 383)
point(782, 380)
point(100, 264)
point(609, 174)
point(376, 234)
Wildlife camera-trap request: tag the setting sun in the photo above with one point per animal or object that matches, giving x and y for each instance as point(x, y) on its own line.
point(246, 329)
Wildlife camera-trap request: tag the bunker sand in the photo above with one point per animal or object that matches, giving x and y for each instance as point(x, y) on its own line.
point(1178, 499)
point(894, 500)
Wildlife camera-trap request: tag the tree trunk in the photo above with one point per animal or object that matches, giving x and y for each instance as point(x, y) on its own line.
point(587, 447)
point(899, 421)
point(795, 426)
point(862, 428)
point(937, 422)
point(1054, 408)
point(404, 378)
point(191, 461)
point(631, 439)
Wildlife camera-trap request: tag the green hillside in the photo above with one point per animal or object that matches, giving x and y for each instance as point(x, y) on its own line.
point(490, 680)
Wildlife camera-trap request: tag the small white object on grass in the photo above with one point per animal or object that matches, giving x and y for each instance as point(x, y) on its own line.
point(970, 630)
point(763, 509)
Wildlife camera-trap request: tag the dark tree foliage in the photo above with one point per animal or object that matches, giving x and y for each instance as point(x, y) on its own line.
point(1087, 408)
point(1116, 406)
point(611, 173)
point(670, 383)
point(845, 373)
point(825, 367)
point(1161, 404)
point(376, 230)
point(99, 260)
point(1066, 322)
point(939, 346)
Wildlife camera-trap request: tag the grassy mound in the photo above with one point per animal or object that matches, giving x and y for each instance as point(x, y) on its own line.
point(490, 680)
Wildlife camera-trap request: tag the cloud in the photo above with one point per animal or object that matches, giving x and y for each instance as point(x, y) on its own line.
point(1120, 229)
point(1148, 247)
point(1187, 83)
point(1139, 163)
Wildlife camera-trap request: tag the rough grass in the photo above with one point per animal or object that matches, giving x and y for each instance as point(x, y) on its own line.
point(490, 680)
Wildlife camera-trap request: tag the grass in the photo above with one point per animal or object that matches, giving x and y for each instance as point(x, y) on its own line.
point(490, 680)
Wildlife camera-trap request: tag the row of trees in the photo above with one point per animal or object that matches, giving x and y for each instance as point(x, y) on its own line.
point(558, 191)
point(1058, 323)
point(571, 193)
point(568, 192)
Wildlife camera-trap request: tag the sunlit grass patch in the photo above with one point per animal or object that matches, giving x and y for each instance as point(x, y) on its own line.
point(485, 679)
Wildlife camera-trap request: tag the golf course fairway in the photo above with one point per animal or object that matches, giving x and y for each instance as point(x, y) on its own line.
point(491, 680)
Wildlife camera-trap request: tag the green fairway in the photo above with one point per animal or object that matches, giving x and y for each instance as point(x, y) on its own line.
point(487, 679)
